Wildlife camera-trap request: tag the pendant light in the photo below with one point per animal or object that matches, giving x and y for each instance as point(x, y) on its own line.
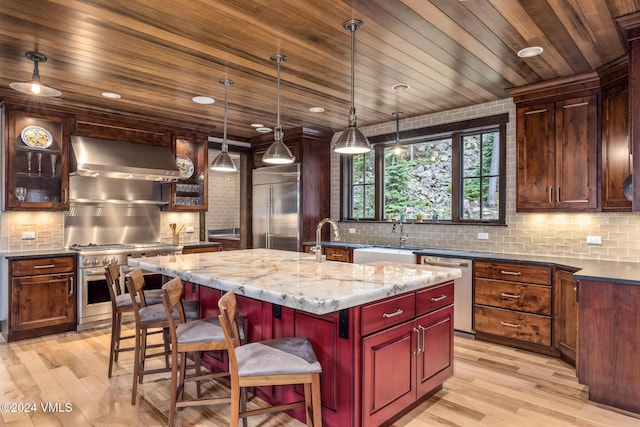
point(397, 148)
point(352, 140)
point(278, 153)
point(35, 86)
point(223, 162)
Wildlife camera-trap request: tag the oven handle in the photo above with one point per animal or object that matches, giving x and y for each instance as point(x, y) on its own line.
point(92, 273)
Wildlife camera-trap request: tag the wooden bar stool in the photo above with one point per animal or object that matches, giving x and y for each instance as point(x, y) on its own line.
point(267, 363)
point(120, 304)
point(150, 317)
point(192, 337)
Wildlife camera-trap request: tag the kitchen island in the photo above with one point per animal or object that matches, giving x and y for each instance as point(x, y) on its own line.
point(383, 332)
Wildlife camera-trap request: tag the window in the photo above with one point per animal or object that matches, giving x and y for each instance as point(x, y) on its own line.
point(456, 176)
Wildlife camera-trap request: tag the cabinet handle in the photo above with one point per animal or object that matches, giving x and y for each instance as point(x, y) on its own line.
point(558, 194)
point(551, 194)
point(415, 353)
point(65, 193)
point(44, 266)
point(334, 255)
point(511, 325)
point(440, 298)
point(71, 286)
point(511, 273)
point(424, 342)
point(398, 312)
point(502, 294)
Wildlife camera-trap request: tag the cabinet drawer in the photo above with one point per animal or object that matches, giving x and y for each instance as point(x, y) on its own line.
point(338, 254)
point(513, 296)
point(512, 324)
point(35, 266)
point(433, 298)
point(513, 272)
point(383, 314)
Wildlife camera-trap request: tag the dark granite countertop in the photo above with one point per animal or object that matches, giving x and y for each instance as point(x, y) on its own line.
point(41, 253)
point(200, 244)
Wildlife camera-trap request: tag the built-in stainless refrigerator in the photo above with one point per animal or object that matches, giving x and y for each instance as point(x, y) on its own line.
point(276, 207)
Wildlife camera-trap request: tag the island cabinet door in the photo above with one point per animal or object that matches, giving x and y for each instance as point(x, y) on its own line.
point(435, 360)
point(389, 372)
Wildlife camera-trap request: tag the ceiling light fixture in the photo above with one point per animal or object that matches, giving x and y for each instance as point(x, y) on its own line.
point(400, 86)
point(352, 141)
point(204, 100)
point(397, 148)
point(35, 86)
point(223, 162)
point(529, 52)
point(278, 153)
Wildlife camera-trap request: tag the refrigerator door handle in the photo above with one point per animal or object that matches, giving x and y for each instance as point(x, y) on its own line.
point(269, 215)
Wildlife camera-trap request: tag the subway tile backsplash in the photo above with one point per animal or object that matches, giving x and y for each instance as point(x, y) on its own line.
point(564, 235)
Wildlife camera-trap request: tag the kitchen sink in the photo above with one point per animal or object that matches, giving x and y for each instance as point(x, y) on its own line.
point(363, 255)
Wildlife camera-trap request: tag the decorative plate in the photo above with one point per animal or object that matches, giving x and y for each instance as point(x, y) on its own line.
point(36, 137)
point(185, 165)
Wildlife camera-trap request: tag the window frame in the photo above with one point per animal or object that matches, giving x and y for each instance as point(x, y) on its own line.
point(455, 130)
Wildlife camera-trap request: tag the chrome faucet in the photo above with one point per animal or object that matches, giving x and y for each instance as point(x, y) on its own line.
point(403, 237)
point(317, 249)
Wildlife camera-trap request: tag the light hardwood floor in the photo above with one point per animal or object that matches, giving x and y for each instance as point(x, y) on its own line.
point(492, 386)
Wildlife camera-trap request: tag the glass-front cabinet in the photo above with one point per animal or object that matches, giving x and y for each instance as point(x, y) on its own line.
point(189, 193)
point(37, 172)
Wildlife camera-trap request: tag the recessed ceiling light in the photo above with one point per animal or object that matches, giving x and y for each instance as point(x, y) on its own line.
point(203, 100)
point(257, 125)
point(264, 129)
point(529, 52)
point(111, 95)
point(400, 86)
point(317, 109)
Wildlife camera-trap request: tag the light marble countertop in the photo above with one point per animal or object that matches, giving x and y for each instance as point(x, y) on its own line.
point(295, 279)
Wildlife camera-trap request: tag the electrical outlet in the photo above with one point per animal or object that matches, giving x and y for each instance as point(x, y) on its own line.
point(483, 236)
point(594, 240)
point(190, 230)
point(28, 235)
point(352, 231)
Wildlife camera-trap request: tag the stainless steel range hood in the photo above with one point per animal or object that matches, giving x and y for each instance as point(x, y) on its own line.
point(121, 159)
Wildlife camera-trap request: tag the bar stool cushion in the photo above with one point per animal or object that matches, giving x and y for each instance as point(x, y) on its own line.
point(153, 296)
point(277, 357)
point(156, 313)
point(208, 329)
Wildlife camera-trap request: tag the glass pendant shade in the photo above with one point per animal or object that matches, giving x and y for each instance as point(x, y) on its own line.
point(223, 162)
point(35, 86)
point(278, 153)
point(352, 140)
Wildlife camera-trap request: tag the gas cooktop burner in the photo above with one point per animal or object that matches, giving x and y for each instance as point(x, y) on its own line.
point(97, 247)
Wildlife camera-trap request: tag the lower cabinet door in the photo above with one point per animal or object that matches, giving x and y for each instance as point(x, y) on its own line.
point(389, 370)
point(435, 360)
point(42, 301)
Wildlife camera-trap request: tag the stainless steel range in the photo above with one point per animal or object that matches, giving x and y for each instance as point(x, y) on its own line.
point(111, 220)
point(94, 306)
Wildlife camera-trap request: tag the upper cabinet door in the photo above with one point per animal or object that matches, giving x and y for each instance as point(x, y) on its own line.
point(577, 154)
point(536, 157)
point(37, 159)
point(189, 193)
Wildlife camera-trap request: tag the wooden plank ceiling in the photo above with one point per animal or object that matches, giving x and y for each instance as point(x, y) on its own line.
point(158, 54)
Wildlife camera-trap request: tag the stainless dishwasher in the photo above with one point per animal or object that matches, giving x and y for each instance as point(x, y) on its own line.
point(462, 290)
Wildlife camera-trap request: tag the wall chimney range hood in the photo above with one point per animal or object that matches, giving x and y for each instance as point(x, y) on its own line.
point(121, 159)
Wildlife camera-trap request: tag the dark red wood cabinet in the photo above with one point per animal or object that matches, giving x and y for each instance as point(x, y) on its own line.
point(370, 374)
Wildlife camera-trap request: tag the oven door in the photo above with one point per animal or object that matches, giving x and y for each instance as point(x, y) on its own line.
point(95, 301)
